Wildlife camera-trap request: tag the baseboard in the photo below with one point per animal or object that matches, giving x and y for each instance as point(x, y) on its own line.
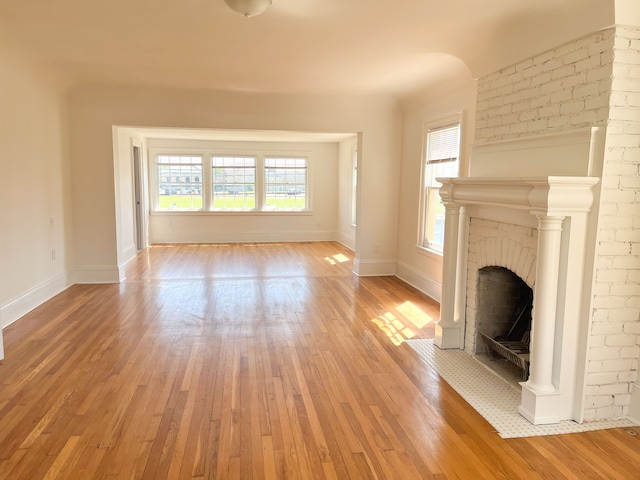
point(33, 298)
point(346, 240)
point(374, 268)
point(419, 280)
point(244, 237)
point(127, 256)
point(98, 274)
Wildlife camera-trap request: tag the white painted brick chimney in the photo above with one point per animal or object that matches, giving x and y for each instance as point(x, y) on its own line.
point(591, 82)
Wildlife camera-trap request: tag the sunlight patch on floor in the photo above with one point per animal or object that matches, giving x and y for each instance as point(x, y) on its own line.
point(414, 314)
point(393, 328)
point(339, 258)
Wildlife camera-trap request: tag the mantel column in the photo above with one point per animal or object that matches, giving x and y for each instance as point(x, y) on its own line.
point(539, 392)
point(448, 329)
point(545, 303)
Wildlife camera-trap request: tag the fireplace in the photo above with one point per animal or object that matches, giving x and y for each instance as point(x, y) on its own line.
point(538, 228)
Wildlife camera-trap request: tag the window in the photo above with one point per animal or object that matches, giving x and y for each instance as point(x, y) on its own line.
point(441, 159)
point(179, 185)
point(234, 183)
point(285, 181)
point(245, 181)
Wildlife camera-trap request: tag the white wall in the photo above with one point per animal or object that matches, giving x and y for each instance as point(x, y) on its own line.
point(417, 266)
point(346, 230)
point(94, 110)
point(34, 187)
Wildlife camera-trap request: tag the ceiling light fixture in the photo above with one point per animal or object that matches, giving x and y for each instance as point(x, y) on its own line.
point(249, 8)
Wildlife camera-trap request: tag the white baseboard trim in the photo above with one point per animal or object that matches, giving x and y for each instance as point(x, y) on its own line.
point(419, 280)
point(127, 256)
point(243, 237)
point(98, 274)
point(33, 298)
point(634, 405)
point(346, 240)
point(374, 268)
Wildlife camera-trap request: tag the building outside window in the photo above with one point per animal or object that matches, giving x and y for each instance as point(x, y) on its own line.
point(285, 182)
point(234, 183)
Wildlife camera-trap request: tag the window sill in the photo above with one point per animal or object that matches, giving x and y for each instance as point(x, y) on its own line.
point(208, 213)
point(428, 252)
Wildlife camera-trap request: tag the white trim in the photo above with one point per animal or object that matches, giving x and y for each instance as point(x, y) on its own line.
point(346, 240)
point(33, 298)
point(419, 280)
point(128, 254)
point(374, 268)
point(96, 275)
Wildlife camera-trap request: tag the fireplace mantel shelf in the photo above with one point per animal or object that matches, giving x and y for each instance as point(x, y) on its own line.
point(556, 195)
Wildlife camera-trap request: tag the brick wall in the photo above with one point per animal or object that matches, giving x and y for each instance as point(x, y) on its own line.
point(614, 343)
point(563, 89)
point(593, 81)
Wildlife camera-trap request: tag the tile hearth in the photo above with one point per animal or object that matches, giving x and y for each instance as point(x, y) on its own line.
point(493, 397)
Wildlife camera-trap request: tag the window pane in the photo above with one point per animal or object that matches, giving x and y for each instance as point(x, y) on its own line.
point(179, 182)
point(285, 183)
point(443, 143)
point(234, 183)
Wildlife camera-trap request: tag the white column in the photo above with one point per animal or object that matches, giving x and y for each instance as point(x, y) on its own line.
point(545, 304)
point(448, 329)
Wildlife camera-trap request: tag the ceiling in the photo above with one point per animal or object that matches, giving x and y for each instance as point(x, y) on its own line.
point(373, 47)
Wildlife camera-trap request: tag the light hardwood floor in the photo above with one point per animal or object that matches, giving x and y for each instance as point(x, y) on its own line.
point(255, 362)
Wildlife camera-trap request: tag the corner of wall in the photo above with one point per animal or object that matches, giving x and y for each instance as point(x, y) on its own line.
point(634, 405)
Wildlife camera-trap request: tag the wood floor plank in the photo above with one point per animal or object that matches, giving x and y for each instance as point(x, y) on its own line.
point(255, 361)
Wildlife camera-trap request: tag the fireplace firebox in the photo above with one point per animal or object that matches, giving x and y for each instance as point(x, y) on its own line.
point(503, 316)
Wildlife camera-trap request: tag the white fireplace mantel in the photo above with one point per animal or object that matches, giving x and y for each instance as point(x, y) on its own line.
point(559, 207)
point(551, 195)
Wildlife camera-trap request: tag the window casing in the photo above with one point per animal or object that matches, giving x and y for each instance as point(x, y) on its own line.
point(441, 159)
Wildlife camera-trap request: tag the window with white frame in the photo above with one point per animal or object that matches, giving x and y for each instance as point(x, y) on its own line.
point(179, 182)
point(239, 182)
point(234, 183)
point(285, 183)
point(441, 159)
